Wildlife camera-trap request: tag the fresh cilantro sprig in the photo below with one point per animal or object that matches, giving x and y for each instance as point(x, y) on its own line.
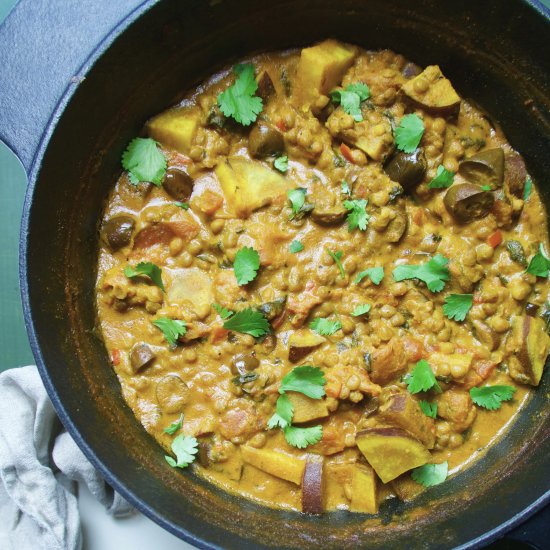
point(539, 264)
point(185, 447)
point(172, 329)
point(375, 274)
point(147, 269)
point(302, 437)
point(337, 257)
point(491, 397)
point(182, 205)
point(457, 306)
point(223, 312)
point(434, 272)
point(248, 321)
point(527, 189)
point(295, 247)
point(305, 379)
point(429, 409)
point(238, 101)
point(174, 427)
point(362, 309)
point(345, 188)
point(409, 133)
point(422, 378)
point(325, 327)
point(431, 474)
point(351, 98)
point(144, 161)
point(443, 178)
point(357, 217)
point(298, 204)
point(246, 265)
point(284, 412)
point(281, 164)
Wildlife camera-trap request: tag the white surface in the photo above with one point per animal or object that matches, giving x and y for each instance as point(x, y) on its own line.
point(102, 532)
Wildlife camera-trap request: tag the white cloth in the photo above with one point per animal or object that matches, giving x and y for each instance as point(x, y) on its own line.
point(40, 466)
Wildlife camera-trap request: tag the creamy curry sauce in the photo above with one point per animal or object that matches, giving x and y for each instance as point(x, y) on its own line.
point(225, 382)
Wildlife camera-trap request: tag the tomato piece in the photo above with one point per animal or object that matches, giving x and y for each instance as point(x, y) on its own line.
point(495, 239)
point(346, 152)
point(281, 125)
point(115, 357)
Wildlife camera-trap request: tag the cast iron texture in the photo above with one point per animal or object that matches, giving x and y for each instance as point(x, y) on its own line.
point(494, 53)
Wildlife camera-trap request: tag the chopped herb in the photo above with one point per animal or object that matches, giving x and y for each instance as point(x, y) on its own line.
point(351, 98)
point(183, 205)
point(429, 409)
point(431, 474)
point(144, 161)
point(457, 306)
point(148, 269)
point(302, 437)
point(434, 272)
point(527, 189)
point(361, 310)
point(297, 198)
point(248, 321)
point(539, 264)
point(443, 178)
point(409, 133)
point(325, 327)
point(337, 257)
point(516, 252)
point(338, 160)
point(281, 164)
point(375, 274)
point(238, 101)
point(284, 411)
point(486, 187)
point(422, 378)
point(223, 312)
point(491, 397)
point(174, 427)
point(185, 447)
point(345, 188)
point(295, 247)
point(246, 265)
point(172, 329)
point(306, 379)
point(244, 378)
point(357, 217)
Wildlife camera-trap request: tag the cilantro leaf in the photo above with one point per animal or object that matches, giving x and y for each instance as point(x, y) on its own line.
point(350, 99)
point(337, 256)
point(154, 272)
point(174, 427)
point(409, 133)
point(361, 310)
point(357, 217)
point(182, 205)
point(296, 246)
point(457, 306)
point(429, 409)
point(246, 265)
point(297, 198)
point(375, 274)
point(302, 437)
point(431, 474)
point(281, 164)
point(486, 187)
point(223, 312)
point(325, 327)
point(284, 411)
point(539, 264)
point(345, 188)
point(491, 397)
point(248, 321)
point(306, 379)
point(144, 161)
point(238, 101)
point(185, 447)
point(434, 272)
point(527, 189)
point(422, 378)
point(172, 329)
point(443, 178)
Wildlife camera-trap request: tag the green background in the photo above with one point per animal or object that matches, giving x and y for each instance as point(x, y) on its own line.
point(14, 346)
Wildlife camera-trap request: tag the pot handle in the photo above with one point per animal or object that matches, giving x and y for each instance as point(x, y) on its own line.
point(43, 47)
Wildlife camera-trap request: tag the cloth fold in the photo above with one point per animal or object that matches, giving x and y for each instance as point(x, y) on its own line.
point(40, 467)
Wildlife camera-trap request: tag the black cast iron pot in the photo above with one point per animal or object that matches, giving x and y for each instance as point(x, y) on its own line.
point(69, 106)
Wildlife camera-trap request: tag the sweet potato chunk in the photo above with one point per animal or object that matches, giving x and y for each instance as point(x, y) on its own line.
point(402, 410)
point(532, 345)
point(193, 286)
point(320, 69)
point(306, 409)
point(456, 407)
point(364, 490)
point(431, 90)
point(406, 488)
point(275, 463)
point(313, 485)
point(388, 362)
point(391, 451)
point(175, 128)
point(302, 342)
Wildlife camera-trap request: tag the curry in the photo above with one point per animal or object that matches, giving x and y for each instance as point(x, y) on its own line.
point(322, 279)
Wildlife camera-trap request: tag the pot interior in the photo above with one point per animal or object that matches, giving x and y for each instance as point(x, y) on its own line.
point(481, 47)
